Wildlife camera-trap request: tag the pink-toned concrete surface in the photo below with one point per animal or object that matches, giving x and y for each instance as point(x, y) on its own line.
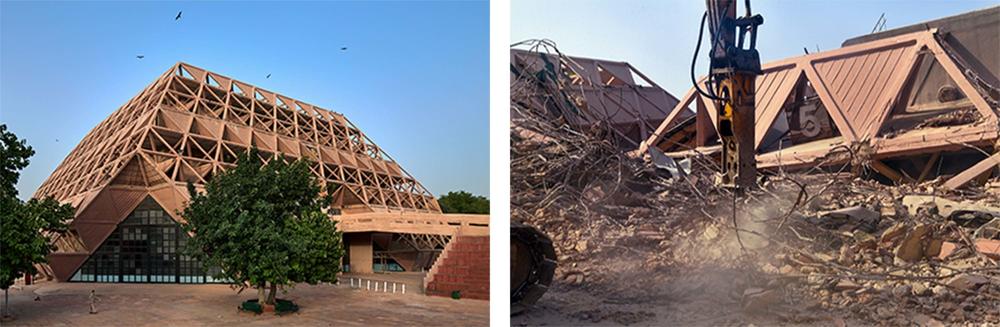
point(66, 304)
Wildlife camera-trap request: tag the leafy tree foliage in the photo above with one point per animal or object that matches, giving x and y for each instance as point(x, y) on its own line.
point(22, 239)
point(23, 226)
point(264, 224)
point(464, 202)
point(14, 155)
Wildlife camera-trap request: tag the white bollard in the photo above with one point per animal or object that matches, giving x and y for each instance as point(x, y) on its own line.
point(385, 287)
point(393, 288)
point(368, 285)
point(404, 288)
point(352, 282)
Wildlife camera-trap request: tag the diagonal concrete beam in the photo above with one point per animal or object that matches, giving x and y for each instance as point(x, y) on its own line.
point(975, 171)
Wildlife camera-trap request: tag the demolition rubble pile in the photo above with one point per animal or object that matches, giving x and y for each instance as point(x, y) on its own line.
point(807, 246)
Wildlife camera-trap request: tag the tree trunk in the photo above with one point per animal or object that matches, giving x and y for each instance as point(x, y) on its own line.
point(6, 300)
point(274, 291)
point(260, 294)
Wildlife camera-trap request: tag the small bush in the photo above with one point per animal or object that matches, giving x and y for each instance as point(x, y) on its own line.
point(281, 306)
point(252, 306)
point(285, 306)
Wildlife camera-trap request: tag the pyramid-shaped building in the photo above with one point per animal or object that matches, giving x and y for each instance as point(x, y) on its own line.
point(127, 178)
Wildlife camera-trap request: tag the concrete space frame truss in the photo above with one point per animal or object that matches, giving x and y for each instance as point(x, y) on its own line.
point(190, 124)
point(425, 242)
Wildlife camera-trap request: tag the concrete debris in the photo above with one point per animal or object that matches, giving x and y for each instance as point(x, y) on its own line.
point(926, 321)
point(966, 282)
point(947, 248)
point(757, 300)
point(846, 285)
point(803, 247)
point(676, 168)
point(584, 92)
point(989, 248)
point(850, 219)
point(919, 243)
point(920, 289)
point(966, 213)
point(711, 232)
point(902, 290)
point(990, 230)
point(890, 237)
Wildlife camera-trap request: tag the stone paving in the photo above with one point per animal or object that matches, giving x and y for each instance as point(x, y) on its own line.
point(66, 304)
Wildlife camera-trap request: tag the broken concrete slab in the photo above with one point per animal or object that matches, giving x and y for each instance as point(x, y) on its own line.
point(966, 282)
point(918, 244)
point(945, 207)
point(987, 247)
point(947, 248)
point(890, 236)
point(851, 218)
point(676, 168)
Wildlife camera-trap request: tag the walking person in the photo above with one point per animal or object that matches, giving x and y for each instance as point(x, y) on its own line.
point(93, 302)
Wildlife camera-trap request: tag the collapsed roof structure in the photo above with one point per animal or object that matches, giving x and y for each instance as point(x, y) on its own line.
point(190, 124)
point(899, 102)
point(603, 91)
point(806, 243)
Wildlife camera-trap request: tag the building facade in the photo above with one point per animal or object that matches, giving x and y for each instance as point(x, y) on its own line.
point(127, 179)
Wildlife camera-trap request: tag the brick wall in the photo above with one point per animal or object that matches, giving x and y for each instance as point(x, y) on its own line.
point(464, 265)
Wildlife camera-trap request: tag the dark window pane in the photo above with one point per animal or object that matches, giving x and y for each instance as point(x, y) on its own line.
point(144, 248)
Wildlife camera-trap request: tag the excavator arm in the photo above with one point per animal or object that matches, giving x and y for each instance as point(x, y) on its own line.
point(735, 64)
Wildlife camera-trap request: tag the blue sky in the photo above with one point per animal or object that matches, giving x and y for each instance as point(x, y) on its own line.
point(658, 36)
point(414, 77)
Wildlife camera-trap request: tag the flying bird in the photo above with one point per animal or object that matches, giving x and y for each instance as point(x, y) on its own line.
point(140, 57)
point(268, 76)
point(343, 49)
point(178, 15)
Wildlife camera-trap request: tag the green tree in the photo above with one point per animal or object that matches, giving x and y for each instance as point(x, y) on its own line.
point(23, 226)
point(14, 156)
point(264, 225)
point(464, 202)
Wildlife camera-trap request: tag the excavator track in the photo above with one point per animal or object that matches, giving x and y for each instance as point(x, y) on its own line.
point(533, 266)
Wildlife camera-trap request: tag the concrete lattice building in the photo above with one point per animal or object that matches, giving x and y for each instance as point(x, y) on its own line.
point(127, 180)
